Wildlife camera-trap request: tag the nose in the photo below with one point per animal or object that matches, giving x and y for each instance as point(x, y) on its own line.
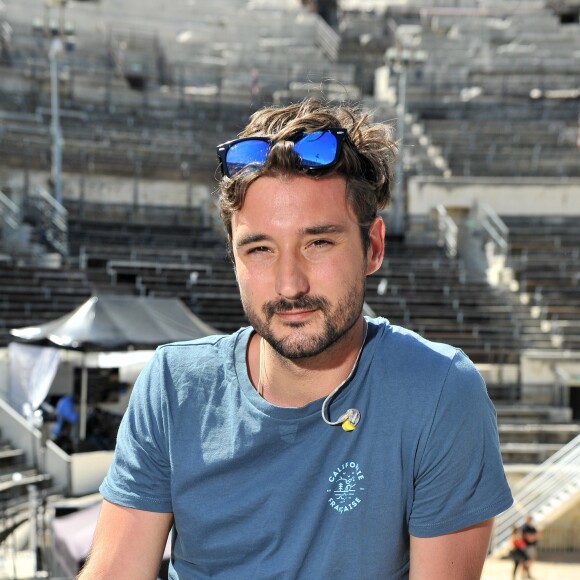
point(291, 277)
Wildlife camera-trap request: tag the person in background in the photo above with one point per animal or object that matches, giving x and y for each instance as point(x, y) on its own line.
point(63, 432)
point(518, 553)
point(316, 442)
point(531, 536)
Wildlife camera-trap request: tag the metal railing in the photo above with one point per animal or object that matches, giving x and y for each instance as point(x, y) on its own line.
point(10, 215)
point(327, 40)
point(495, 229)
point(447, 230)
point(542, 493)
point(51, 217)
point(562, 383)
point(43, 453)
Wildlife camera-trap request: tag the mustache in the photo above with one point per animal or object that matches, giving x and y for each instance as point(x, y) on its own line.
point(301, 303)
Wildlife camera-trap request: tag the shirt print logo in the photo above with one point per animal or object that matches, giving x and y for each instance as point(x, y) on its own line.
point(346, 487)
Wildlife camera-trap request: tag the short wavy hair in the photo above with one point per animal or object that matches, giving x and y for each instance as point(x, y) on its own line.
point(366, 160)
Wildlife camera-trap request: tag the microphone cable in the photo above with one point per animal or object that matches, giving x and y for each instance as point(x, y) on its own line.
point(351, 417)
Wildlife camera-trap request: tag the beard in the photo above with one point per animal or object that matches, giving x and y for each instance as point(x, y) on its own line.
point(300, 343)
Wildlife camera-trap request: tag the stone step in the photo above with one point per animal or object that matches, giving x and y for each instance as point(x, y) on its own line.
point(538, 433)
point(532, 414)
point(528, 452)
point(10, 455)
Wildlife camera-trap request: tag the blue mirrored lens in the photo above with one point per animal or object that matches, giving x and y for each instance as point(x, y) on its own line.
point(251, 152)
point(317, 149)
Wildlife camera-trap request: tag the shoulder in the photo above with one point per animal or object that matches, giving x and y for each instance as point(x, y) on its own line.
point(407, 342)
point(415, 357)
point(182, 366)
point(214, 350)
point(199, 346)
point(431, 374)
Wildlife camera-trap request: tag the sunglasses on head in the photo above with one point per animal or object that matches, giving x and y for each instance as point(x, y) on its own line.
point(316, 150)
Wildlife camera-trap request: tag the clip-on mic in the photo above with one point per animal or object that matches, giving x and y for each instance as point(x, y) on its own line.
point(351, 417)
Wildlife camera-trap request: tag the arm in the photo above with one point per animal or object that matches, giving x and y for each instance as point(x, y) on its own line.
point(128, 544)
point(456, 556)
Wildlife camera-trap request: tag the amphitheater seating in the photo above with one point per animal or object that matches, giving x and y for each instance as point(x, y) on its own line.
point(434, 296)
point(530, 434)
point(104, 147)
point(544, 256)
point(510, 52)
point(31, 295)
point(15, 477)
point(162, 254)
point(178, 258)
point(492, 93)
point(184, 45)
point(188, 52)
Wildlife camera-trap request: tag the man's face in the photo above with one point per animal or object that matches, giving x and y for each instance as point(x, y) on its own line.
point(300, 262)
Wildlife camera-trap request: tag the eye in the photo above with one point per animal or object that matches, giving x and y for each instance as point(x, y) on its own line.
point(258, 250)
point(320, 243)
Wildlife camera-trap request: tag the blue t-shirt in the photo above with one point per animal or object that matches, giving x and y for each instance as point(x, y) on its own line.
point(65, 411)
point(259, 491)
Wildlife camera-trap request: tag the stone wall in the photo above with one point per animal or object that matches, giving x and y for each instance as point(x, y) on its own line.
point(515, 196)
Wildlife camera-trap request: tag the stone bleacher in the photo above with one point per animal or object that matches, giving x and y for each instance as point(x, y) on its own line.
point(33, 295)
point(145, 256)
point(498, 91)
point(148, 252)
point(425, 290)
point(203, 71)
point(530, 434)
point(545, 254)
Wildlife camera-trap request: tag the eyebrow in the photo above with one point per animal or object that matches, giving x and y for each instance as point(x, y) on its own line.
point(251, 239)
point(323, 229)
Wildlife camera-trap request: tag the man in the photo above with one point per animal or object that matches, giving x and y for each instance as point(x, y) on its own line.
point(236, 442)
point(64, 432)
point(530, 536)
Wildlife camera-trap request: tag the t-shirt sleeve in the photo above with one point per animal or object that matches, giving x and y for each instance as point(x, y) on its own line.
point(139, 476)
point(459, 476)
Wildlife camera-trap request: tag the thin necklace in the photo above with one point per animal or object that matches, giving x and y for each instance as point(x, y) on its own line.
point(263, 373)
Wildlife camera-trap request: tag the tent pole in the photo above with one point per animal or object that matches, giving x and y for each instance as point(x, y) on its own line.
point(84, 397)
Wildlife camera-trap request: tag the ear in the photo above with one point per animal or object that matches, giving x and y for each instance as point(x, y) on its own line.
point(376, 250)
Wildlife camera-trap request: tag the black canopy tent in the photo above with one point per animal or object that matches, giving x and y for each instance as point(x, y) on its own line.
point(116, 323)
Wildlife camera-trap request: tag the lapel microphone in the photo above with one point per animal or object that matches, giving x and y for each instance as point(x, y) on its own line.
point(351, 417)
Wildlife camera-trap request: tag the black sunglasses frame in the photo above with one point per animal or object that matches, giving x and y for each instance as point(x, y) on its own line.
point(339, 134)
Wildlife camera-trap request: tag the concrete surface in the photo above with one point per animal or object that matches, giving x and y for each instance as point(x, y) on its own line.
point(559, 567)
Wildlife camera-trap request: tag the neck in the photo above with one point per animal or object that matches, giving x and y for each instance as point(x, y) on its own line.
point(295, 383)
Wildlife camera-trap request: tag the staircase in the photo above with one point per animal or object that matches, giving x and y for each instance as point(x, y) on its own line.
point(546, 492)
point(19, 481)
point(33, 231)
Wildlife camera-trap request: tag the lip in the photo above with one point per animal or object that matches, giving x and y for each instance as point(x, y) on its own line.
point(295, 315)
